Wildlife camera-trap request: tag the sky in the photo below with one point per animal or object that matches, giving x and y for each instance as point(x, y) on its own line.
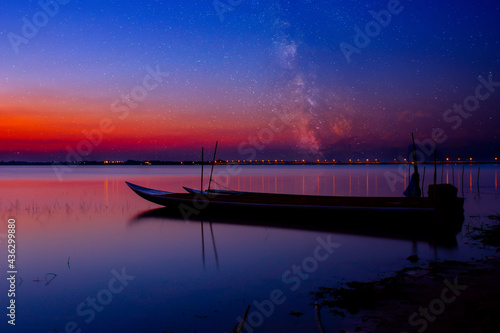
point(304, 79)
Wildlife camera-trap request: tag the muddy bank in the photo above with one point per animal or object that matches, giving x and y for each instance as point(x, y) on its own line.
point(448, 296)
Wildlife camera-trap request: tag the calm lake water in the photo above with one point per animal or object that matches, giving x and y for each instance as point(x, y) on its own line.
point(87, 261)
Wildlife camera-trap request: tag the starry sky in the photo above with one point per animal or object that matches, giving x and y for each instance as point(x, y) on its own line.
point(95, 80)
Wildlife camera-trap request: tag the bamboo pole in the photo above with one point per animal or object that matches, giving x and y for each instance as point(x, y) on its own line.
point(435, 173)
point(202, 162)
point(238, 329)
point(318, 317)
point(213, 162)
point(409, 173)
point(435, 167)
point(423, 180)
point(414, 153)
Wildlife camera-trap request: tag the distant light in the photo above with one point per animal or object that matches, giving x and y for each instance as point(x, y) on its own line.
point(459, 159)
point(470, 159)
point(367, 160)
point(447, 158)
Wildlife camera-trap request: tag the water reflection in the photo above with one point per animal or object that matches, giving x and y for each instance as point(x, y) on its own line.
point(82, 228)
point(388, 226)
point(213, 243)
point(347, 181)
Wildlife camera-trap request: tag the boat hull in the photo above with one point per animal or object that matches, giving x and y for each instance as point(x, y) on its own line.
point(358, 212)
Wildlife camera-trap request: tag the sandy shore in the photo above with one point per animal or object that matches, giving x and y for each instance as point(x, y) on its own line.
point(447, 296)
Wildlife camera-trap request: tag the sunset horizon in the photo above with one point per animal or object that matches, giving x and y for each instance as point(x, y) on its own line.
point(254, 77)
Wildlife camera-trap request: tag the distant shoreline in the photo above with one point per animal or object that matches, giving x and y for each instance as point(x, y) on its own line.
point(221, 162)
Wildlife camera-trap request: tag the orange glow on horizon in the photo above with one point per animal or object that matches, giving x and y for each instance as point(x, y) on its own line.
point(42, 126)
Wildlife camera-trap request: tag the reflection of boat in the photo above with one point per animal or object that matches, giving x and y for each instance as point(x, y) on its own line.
point(391, 228)
point(407, 212)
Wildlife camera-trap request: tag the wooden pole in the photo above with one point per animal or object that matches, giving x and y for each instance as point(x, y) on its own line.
point(435, 173)
point(435, 167)
point(318, 317)
point(423, 180)
point(213, 162)
point(415, 168)
point(409, 173)
point(238, 329)
point(202, 162)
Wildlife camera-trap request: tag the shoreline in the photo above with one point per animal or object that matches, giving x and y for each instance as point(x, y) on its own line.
point(447, 296)
point(233, 162)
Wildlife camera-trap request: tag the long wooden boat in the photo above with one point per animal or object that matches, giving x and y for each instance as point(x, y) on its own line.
point(234, 203)
point(441, 210)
